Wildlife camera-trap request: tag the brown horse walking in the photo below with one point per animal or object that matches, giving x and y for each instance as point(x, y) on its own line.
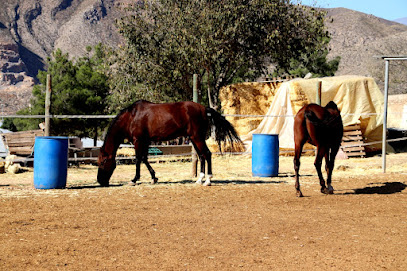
point(143, 122)
point(323, 128)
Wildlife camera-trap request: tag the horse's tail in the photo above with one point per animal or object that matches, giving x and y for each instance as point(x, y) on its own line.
point(310, 115)
point(224, 130)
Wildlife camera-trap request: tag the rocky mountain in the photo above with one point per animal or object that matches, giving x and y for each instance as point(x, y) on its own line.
point(30, 30)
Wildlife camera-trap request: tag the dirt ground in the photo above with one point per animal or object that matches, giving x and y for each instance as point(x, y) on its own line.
point(239, 223)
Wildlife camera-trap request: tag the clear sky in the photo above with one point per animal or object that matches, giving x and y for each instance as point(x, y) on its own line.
point(386, 9)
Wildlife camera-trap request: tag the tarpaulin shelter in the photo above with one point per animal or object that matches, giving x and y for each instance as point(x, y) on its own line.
point(358, 98)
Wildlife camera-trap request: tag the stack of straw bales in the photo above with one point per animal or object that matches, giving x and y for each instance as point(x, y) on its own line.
point(247, 99)
point(297, 96)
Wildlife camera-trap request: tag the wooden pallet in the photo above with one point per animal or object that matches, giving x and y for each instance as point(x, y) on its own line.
point(352, 141)
point(20, 143)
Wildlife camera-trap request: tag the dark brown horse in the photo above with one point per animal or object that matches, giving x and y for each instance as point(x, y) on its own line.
point(323, 128)
point(143, 122)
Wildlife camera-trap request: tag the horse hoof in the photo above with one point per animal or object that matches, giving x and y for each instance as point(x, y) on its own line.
point(154, 181)
point(299, 194)
point(131, 183)
point(201, 176)
point(207, 183)
point(326, 191)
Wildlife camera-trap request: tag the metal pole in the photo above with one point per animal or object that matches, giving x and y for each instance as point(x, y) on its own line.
point(386, 94)
point(194, 154)
point(47, 105)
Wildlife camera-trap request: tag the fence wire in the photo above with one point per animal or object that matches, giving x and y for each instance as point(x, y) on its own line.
point(82, 159)
point(225, 115)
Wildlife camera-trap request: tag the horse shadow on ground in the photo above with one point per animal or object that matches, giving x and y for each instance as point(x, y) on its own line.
point(91, 186)
point(267, 180)
point(386, 188)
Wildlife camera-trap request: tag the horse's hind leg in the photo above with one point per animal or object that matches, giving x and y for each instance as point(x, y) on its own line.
point(297, 155)
point(208, 158)
point(330, 167)
point(321, 152)
point(204, 155)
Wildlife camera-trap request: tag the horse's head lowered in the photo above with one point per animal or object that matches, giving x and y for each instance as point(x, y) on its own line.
point(107, 164)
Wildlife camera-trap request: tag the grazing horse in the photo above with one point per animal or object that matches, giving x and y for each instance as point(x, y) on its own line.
point(144, 122)
point(323, 128)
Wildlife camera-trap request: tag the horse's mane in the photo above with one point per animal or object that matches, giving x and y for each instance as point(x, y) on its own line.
point(125, 110)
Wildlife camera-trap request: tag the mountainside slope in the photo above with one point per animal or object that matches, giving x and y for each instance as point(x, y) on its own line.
point(358, 37)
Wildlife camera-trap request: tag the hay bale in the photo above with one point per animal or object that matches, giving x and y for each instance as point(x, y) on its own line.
point(247, 99)
point(125, 152)
point(14, 168)
point(226, 147)
point(298, 97)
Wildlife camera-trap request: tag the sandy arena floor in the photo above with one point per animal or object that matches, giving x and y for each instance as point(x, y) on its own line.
point(239, 223)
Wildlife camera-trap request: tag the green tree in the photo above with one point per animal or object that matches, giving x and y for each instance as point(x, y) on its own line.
point(314, 62)
point(78, 88)
point(9, 125)
point(222, 41)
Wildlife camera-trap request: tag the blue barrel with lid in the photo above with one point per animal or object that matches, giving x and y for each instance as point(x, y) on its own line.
point(50, 162)
point(265, 155)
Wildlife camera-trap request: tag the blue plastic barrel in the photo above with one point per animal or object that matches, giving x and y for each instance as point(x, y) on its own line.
point(50, 162)
point(265, 154)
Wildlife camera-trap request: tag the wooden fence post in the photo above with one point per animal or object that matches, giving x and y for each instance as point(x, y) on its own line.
point(194, 154)
point(319, 93)
point(47, 105)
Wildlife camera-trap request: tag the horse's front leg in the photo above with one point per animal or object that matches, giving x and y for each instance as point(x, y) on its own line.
point(321, 152)
point(138, 154)
point(137, 177)
point(151, 170)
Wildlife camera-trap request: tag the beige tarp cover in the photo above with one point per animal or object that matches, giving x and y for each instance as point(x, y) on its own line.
point(358, 98)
